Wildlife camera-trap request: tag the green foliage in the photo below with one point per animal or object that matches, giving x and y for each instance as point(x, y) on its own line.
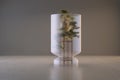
point(69, 25)
point(64, 11)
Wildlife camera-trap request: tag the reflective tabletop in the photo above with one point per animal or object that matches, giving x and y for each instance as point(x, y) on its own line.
point(48, 68)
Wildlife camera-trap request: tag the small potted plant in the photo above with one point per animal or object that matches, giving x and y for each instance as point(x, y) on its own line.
point(65, 35)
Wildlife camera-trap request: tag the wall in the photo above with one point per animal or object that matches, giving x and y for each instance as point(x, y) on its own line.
point(25, 25)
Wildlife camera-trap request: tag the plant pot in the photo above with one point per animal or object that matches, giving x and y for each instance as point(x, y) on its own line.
point(65, 41)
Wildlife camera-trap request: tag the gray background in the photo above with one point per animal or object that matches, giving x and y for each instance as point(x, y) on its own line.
point(25, 25)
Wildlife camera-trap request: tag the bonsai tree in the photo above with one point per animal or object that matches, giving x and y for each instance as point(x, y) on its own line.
point(68, 26)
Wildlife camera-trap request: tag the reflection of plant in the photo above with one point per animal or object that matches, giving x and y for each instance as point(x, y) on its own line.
point(68, 26)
